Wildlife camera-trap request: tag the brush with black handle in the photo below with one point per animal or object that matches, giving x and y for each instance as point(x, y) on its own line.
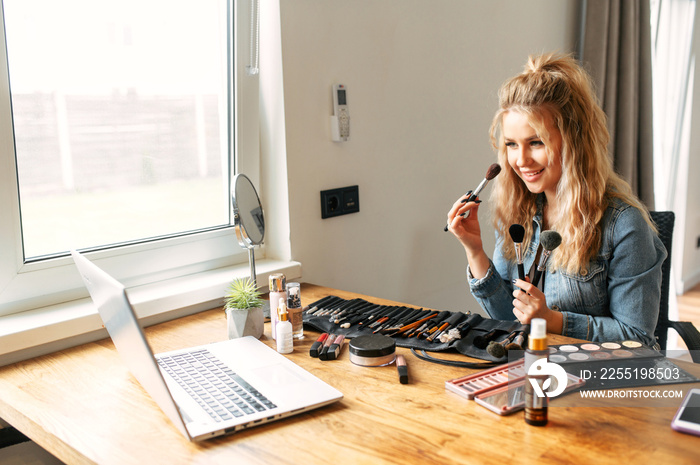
point(482, 341)
point(517, 233)
point(550, 240)
point(491, 173)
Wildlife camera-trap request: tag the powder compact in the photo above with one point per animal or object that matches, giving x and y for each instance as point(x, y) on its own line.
point(372, 351)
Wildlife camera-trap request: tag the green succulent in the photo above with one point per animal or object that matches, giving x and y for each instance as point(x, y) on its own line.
point(242, 293)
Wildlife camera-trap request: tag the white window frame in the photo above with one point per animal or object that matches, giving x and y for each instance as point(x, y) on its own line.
point(159, 273)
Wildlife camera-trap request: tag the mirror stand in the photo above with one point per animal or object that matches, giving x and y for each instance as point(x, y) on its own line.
point(251, 260)
point(248, 219)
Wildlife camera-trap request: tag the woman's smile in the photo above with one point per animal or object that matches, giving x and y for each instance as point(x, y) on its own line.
point(528, 153)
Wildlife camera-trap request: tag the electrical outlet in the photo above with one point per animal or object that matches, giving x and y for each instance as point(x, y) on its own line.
point(341, 201)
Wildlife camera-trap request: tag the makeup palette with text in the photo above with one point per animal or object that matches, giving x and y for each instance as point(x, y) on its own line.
point(618, 364)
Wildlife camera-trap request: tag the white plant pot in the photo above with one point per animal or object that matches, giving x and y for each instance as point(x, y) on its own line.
point(246, 322)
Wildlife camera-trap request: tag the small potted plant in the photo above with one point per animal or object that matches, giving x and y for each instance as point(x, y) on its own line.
point(244, 309)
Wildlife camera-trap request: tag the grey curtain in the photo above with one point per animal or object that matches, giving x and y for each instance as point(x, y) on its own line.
point(617, 52)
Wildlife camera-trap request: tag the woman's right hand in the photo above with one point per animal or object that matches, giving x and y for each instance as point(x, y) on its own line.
point(466, 230)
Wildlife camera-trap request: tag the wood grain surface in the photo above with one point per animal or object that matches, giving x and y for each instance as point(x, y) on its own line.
point(83, 406)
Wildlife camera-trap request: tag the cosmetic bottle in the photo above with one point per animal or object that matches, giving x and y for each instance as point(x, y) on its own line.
point(536, 406)
point(294, 309)
point(277, 283)
point(285, 343)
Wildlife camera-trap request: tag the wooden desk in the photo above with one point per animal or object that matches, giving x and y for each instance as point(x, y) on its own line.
point(83, 406)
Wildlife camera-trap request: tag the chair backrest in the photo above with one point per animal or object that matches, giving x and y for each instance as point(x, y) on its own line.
point(664, 222)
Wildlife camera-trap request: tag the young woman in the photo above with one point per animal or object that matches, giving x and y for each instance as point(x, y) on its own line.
point(603, 282)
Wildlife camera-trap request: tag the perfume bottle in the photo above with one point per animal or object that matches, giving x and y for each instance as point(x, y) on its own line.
point(285, 343)
point(294, 309)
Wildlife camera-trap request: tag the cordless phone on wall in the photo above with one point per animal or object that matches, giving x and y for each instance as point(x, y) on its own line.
point(340, 121)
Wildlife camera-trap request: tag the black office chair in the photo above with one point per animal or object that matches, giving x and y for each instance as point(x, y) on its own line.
point(689, 333)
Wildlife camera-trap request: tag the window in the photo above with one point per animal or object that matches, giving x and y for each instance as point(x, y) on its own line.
point(122, 136)
point(117, 135)
point(673, 68)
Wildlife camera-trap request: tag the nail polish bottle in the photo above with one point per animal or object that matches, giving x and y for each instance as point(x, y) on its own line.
point(285, 343)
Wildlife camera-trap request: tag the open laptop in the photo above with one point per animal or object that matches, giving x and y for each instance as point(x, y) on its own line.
point(222, 387)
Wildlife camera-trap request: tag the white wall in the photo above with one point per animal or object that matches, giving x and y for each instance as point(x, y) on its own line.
point(422, 78)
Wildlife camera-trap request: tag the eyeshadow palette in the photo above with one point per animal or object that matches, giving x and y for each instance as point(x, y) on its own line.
point(618, 364)
point(472, 385)
point(511, 398)
point(500, 388)
point(592, 351)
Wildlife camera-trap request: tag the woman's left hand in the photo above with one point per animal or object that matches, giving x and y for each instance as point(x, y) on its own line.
point(529, 302)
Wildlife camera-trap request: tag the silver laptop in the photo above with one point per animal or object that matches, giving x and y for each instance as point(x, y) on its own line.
point(209, 390)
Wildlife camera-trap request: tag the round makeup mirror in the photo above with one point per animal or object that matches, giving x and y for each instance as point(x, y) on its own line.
point(248, 220)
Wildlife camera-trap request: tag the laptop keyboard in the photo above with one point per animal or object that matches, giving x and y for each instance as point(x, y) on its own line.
point(221, 392)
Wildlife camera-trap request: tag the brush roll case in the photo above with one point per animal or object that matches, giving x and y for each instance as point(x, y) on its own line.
point(478, 326)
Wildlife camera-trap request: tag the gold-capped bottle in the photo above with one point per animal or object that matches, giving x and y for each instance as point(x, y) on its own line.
point(285, 343)
point(535, 405)
point(278, 289)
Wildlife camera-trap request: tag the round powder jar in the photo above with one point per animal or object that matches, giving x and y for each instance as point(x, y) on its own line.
point(372, 351)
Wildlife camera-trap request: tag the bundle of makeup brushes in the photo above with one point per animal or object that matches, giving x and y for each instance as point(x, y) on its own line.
point(407, 322)
point(549, 240)
point(394, 321)
point(514, 341)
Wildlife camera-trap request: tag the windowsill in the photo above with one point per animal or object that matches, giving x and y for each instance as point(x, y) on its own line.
point(49, 329)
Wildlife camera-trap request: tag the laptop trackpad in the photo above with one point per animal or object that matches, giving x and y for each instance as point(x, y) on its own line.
point(278, 376)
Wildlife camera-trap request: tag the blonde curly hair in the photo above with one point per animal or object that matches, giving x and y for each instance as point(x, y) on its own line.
point(556, 86)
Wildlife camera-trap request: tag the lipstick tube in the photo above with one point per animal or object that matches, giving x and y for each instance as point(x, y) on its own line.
point(402, 368)
point(334, 349)
point(323, 354)
point(314, 350)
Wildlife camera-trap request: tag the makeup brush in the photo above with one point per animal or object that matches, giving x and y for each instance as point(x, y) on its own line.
point(550, 240)
point(518, 342)
point(498, 349)
point(481, 341)
point(491, 173)
point(457, 332)
point(517, 233)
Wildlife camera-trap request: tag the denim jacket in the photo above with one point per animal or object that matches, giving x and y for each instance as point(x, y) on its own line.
point(616, 298)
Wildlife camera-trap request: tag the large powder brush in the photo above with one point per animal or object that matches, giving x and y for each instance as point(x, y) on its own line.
point(549, 240)
point(498, 349)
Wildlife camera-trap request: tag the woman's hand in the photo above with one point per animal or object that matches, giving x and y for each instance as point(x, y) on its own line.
point(530, 303)
point(468, 231)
